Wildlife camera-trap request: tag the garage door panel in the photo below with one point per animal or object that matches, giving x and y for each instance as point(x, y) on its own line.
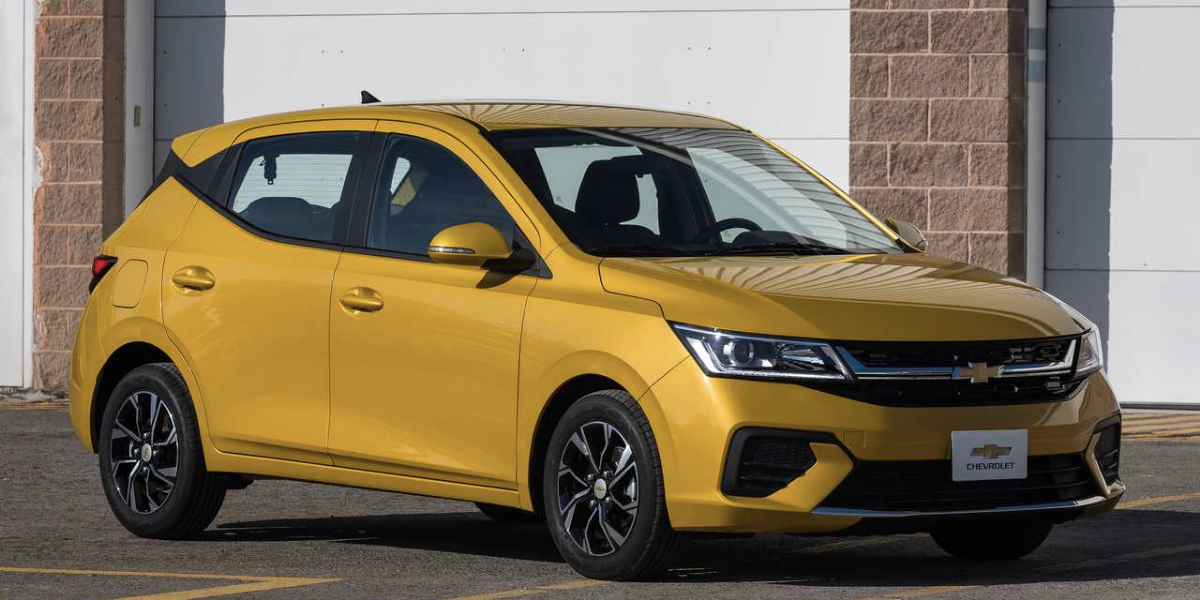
point(1149, 321)
point(1124, 72)
point(708, 62)
point(1123, 204)
point(325, 7)
point(746, 65)
point(189, 75)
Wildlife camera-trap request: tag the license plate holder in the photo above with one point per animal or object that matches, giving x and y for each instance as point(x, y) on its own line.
point(989, 455)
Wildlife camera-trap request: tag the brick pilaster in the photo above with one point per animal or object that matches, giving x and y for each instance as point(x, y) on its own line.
point(78, 95)
point(937, 122)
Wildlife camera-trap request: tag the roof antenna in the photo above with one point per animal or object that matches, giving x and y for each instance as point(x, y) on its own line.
point(368, 97)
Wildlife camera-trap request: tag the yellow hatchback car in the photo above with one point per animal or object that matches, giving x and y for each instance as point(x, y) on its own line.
point(630, 323)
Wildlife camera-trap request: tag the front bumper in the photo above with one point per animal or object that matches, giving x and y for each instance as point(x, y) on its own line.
point(698, 416)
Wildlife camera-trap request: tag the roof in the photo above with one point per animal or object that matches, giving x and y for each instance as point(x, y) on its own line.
point(516, 114)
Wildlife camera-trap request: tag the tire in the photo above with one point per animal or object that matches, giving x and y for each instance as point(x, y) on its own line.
point(1007, 541)
point(638, 542)
point(507, 514)
point(138, 456)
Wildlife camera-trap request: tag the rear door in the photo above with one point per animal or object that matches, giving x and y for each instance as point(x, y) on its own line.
point(426, 384)
point(247, 282)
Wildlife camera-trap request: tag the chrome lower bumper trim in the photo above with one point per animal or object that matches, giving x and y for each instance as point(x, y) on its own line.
point(895, 514)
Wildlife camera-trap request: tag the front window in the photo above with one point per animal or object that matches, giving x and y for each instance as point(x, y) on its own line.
point(684, 192)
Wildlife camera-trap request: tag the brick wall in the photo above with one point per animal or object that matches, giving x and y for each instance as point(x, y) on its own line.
point(937, 122)
point(78, 128)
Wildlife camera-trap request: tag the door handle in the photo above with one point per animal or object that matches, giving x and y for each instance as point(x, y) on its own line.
point(194, 278)
point(362, 299)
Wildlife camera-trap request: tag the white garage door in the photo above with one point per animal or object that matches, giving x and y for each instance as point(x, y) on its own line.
point(778, 66)
point(14, 186)
point(1123, 170)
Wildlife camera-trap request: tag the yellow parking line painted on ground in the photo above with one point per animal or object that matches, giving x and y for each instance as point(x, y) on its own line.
point(250, 583)
point(1164, 421)
point(1162, 439)
point(1150, 415)
point(1158, 500)
point(1175, 433)
point(1193, 422)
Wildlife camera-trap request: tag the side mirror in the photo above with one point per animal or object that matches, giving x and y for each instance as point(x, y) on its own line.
point(908, 233)
point(471, 244)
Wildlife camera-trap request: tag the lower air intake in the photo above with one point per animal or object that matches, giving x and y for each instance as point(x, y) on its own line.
point(764, 461)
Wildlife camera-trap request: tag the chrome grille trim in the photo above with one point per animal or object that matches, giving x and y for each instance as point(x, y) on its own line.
point(911, 373)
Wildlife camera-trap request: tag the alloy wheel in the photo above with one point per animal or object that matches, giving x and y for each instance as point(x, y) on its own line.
point(144, 452)
point(597, 488)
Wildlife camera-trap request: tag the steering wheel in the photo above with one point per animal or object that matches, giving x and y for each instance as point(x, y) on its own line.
point(722, 225)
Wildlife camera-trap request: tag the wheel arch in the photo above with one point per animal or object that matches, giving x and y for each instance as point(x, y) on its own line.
point(123, 360)
point(577, 377)
point(134, 342)
point(567, 394)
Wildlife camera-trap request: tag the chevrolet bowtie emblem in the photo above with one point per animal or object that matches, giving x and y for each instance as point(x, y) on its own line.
point(976, 372)
point(992, 451)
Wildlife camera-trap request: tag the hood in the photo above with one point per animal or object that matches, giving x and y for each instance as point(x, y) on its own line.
point(888, 297)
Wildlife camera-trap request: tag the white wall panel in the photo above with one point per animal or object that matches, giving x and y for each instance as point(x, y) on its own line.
point(15, 219)
point(782, 72)
point(1139, 214)
point(1122, 181)
point(1124, 73)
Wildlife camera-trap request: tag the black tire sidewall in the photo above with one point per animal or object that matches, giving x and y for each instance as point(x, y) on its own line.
point(651, 507)
point(164, 382)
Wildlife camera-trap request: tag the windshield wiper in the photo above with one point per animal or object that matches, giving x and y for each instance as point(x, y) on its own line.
point(796, 247)
point(637, 250)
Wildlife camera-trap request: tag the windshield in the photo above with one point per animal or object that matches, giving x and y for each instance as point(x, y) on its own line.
point(684, 192)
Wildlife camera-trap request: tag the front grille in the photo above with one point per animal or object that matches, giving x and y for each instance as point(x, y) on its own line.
point(764, 461)
point(927, 486)
point(952, 354)
point(944, 373)
point(947, 392)
point(1108, 452)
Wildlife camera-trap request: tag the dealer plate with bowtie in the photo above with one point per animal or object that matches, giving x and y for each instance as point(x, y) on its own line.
point(984, 455)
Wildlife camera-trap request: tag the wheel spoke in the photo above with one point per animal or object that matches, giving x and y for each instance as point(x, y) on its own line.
point(615, 539)
point(130, 495)
point(608, 431)
point(625, 464)
point(569, 509)
point(146, 489)
point(171, 438)
point(155, 403)
point(579, 440)
point(587, 539)
point(137, 415)
point(126, 431)
point(163, 476)
point(565, 469)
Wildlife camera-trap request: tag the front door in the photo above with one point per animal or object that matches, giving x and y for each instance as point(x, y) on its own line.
point(424, 374)
point(246, 289)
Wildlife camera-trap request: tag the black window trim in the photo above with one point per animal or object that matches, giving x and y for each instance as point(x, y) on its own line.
point(359, 221)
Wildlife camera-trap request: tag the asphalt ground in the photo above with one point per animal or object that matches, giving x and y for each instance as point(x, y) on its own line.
point(286, 540)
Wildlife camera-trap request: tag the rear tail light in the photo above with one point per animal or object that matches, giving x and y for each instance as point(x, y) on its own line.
point(100, 265)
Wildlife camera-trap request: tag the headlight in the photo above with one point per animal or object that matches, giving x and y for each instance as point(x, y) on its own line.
point(1091, 352)
point(757, 357)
